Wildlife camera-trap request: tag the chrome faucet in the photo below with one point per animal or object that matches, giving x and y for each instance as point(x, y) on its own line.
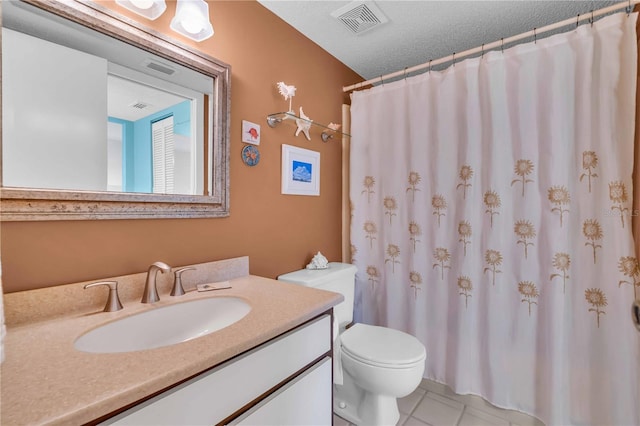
point(150, 294)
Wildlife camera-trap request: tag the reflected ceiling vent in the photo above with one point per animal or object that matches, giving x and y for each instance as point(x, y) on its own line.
point(158, 67)
point(360, 16)
point(140, 105)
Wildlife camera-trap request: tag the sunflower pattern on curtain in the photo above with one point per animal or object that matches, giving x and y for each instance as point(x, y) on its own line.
point(490, 218)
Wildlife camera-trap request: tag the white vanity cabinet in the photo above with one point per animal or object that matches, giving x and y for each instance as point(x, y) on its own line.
point(303, 401)
point(285, 381)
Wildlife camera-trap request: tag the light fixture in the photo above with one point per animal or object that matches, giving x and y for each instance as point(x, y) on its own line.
point(150, 9)
point(192, 20)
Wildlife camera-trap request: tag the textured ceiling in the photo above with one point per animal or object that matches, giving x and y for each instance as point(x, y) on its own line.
point(418, 31)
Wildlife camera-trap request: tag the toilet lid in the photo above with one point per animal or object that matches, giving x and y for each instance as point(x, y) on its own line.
point(381, 346)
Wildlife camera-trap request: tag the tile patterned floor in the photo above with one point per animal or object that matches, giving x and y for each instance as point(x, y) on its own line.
point(435, 404)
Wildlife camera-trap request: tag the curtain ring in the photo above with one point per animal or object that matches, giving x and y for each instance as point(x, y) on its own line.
point(535, 36)
point(591, 20)
point(482, 51)
point(430, 66)
point(577, 20)
point(405, 73)
point(381, 81)
point(454, 59)
point(629, 8)
point(502, 45)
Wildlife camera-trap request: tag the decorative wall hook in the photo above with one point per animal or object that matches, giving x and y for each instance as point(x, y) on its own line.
point(328, 134)
point(274, 120)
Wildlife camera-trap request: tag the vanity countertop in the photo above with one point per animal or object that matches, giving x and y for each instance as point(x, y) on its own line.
point(45, 380)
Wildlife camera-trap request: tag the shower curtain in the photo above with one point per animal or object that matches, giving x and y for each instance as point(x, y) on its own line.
point(491, 219)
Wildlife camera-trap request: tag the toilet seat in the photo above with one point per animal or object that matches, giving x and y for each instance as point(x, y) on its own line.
point(381, 346)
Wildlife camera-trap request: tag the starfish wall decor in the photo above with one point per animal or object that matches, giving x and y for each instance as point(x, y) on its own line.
point(304, 124)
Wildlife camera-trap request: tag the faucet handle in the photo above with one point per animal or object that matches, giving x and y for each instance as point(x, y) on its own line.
point(162, 266)
point(177, 289)
point(113, 301)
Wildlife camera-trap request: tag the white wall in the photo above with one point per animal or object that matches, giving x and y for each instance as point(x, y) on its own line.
point(114, 157)
point(183, 177)
point(54, 116)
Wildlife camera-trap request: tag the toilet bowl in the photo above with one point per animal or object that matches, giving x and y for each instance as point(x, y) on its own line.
point(376, 365)
point(380, 365)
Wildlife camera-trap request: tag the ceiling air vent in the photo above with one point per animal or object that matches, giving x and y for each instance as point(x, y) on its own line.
point(360, 16)
point(140, 105)
point(165, 69)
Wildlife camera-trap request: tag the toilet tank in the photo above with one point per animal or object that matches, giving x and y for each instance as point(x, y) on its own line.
point(339, 278)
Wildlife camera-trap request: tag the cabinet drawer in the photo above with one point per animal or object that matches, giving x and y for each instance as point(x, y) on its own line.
point(306, 400)
point(216, 394)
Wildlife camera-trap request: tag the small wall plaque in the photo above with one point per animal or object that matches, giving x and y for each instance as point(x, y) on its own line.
point(250, 132)
point(250, 155)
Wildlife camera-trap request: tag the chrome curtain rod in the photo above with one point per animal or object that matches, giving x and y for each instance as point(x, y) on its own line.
point(500, 43)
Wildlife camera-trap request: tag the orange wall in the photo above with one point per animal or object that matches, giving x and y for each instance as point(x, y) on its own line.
point(278, 232)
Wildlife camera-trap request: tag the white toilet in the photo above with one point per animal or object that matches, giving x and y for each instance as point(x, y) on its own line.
point(379, 364)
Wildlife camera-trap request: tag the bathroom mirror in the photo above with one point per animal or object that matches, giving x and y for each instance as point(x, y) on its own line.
point(104, 118)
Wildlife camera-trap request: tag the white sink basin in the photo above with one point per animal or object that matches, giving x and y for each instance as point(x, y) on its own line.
point(164, 326)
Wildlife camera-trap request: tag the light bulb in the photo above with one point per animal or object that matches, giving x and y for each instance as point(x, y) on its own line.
point(191, 19)
point(150, 9)
point(142, 4)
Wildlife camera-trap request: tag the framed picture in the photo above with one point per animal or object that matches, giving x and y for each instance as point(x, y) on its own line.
point(250, 132)
point(300, 171)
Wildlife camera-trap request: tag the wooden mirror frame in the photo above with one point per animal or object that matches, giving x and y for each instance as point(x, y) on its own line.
point(26, 204)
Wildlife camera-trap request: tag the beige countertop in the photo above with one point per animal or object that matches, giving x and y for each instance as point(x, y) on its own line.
point(45, 380)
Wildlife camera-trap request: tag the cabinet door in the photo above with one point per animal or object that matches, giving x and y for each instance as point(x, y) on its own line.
point(306, 400)
point(216, 394)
